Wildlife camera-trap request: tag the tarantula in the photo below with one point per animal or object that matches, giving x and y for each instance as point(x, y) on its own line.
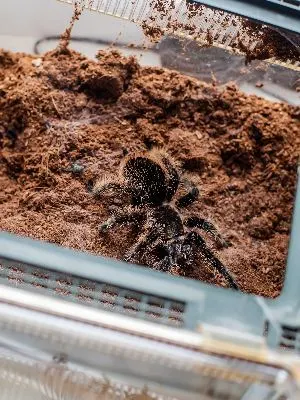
point(144, 190)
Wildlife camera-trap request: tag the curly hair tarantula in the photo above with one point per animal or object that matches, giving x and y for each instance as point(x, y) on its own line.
point(144, 190)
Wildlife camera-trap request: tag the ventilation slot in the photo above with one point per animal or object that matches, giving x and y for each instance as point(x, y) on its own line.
point(290, 337)
point(99, 295)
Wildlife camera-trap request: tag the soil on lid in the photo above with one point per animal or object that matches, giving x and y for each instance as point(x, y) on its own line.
point(65, 121)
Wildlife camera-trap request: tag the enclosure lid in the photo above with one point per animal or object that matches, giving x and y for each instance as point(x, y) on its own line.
point(279, 13)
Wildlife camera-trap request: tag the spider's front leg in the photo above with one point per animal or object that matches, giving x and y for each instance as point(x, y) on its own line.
point(128, 215)
point(143, 246)
point(196, 222)
point(195, 239)
point(103, 186)
point(117, 191)
point(190, 197)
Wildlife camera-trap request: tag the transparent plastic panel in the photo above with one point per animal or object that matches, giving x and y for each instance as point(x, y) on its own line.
point(273, 82)
point(207, 26)
point(101, 329)
point(21, 379)
point(92, 293)
point(48, 357)
point(214, 65)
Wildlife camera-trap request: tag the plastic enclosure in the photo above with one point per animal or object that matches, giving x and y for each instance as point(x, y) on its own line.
point(92, 308)
point(282, 14)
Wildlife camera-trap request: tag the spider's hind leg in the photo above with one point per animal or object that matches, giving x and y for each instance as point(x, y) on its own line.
point(194, 238)
point(196, 222)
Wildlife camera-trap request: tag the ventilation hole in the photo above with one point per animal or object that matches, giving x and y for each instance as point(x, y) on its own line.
point(153, 315)
point(129, 307)
point(156, 302)
point(85, 298)
point(290, 337)
point(63, 292)
point(177, 307)
point(39, 285)
point(40, 275)
point(64, 281)
point(133, 298)
point(109, 294)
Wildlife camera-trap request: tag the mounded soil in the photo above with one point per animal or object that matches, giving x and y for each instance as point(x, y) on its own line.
point(65, 121)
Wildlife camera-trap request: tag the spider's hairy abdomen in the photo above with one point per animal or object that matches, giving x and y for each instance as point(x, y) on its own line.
point(146, 179)
point(153, 177)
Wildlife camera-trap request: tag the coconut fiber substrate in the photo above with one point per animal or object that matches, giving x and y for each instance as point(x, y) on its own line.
point(66, 121)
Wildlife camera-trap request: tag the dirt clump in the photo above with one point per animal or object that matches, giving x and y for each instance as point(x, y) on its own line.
point(67, 121)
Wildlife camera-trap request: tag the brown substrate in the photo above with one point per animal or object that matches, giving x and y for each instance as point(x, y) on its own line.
point(64, 112)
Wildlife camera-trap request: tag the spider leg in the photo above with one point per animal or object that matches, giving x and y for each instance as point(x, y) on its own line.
point(194, 237)
point(190, 197)
point(163, 265)
point(173, 179)
point(128, 215)
point(143, 245)
point(101, 187)
point(117, 190)
point(172, 176)
point(166, 261)
point(196, 222)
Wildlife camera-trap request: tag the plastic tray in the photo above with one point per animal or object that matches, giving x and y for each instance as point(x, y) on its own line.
point(90, 288)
